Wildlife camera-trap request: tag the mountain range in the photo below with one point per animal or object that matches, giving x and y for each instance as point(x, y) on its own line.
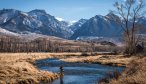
point(35, 21)
point(40, 22)
point(101, 26)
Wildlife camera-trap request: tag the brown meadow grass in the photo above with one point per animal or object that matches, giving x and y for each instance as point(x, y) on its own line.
point(18, 68)
point(135, 73)
point(114, 60)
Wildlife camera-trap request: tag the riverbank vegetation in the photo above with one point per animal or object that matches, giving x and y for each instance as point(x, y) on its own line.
point(135, 73)
point(18, 68)
point(114, 60)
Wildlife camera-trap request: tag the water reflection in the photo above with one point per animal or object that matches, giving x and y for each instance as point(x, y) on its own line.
point(61, 80)
point(61, 74)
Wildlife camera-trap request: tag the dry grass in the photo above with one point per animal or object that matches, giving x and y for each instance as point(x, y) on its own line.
point(135, 73)
point(16, 68)
point(115, 60)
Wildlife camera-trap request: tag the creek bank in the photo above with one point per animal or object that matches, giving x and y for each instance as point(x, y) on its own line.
point(76, 73)
point(17, 68)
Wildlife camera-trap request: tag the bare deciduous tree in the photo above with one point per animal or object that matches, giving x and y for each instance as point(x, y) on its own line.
point(130, 12)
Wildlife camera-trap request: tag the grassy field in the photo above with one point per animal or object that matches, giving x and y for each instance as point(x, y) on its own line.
point(135, 73)
point(102, 59)
point(16, 68)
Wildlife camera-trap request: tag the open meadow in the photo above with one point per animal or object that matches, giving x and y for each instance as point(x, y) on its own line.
point(16, 68)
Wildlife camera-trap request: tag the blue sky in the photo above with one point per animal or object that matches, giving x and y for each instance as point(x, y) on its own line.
point(67, 9)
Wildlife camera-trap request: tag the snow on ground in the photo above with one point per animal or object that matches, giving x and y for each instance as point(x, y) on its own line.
point(6, 32)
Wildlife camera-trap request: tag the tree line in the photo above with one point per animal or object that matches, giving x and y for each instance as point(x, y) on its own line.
point(15, 44)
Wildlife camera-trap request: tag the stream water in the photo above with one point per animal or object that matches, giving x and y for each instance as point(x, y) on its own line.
point(76, 73)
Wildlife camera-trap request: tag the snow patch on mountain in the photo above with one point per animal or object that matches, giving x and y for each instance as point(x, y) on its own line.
point(23, 13)
point(6, 32)
point(59, 19)
point(115, 40)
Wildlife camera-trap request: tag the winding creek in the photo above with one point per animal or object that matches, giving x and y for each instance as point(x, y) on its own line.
point(76, 73)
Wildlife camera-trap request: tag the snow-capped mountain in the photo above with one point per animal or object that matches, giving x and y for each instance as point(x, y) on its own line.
point(105, 26)
point(39, 22)
point(101, 26)
point(35, 21)
point(77, 24)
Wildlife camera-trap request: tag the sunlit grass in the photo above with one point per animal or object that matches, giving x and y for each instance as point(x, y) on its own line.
point(134, 74)
point(16, 68)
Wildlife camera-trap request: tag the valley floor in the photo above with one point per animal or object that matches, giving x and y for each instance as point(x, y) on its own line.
point(18, 68)
point(135, 73)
